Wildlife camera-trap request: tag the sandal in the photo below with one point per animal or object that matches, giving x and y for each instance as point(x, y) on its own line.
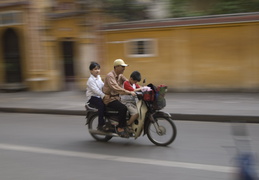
point(123, 134)
point(130, 129)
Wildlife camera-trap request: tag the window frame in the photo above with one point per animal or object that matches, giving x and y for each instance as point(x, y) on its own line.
point(153, 48)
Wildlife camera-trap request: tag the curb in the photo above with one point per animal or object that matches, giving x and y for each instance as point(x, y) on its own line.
point(43, 111)
point(183, 117)
point(215, 118)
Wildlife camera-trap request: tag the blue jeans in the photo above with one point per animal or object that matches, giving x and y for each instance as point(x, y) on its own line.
point(98, 104)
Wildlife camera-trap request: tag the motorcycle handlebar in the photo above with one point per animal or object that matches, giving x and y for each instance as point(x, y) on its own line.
point(139, 94)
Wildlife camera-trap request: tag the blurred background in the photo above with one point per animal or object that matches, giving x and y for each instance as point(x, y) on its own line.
point(189, 45)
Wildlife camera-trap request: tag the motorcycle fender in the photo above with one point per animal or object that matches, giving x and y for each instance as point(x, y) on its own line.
point(157, 114)
point(89, 116)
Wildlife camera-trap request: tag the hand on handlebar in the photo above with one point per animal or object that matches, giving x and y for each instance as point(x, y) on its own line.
point(133, 93)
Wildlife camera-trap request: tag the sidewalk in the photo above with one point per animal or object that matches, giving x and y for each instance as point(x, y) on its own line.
point(182, 106)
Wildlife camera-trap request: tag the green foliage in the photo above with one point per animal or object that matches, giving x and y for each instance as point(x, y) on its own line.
point(183, 8)
point(128, 10)
point(179, 8)
point(235, 6)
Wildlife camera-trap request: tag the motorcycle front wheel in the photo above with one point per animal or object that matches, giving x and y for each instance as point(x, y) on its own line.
point(162, 132)
point(92, 125)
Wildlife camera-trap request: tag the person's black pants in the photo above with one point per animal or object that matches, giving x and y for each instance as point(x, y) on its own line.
point(98, 104)
point(117, 105)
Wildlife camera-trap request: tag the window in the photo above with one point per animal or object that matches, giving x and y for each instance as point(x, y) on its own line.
point(12, 17)
point(7, 18)
point(141, 48)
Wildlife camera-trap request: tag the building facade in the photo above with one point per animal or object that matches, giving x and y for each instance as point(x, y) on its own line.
point(47, 45)
point(212, 53)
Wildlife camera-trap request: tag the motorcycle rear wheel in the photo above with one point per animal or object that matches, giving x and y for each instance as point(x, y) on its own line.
point(92, 125)
point(166, 133)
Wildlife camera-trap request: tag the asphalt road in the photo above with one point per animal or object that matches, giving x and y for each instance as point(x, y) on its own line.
point(40, 147)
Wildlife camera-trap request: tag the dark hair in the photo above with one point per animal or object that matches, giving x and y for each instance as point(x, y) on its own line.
point(136, 76)
point(93, 65)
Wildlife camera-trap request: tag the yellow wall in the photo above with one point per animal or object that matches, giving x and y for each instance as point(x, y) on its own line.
point(190, 58)
point(214, 57)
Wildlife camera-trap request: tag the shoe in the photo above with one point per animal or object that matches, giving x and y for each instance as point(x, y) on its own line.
point(103, 128)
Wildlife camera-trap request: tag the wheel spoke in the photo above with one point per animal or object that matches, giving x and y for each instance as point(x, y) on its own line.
point(93, 124)
point(163, 132)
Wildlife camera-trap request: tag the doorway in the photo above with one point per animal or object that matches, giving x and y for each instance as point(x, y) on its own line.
point(12, 57)
point(68, 61)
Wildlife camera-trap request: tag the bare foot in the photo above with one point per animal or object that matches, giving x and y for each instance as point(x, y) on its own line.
point(120, 129)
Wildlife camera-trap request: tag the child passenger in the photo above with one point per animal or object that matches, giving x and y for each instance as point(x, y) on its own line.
point(128, 100)
point(94, 94)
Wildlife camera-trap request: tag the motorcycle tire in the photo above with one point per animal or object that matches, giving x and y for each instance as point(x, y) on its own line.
point(92, 124)
point(166, 133)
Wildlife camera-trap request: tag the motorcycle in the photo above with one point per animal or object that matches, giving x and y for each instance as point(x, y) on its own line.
point(156, 124)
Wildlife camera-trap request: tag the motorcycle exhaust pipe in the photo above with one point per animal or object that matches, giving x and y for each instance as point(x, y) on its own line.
point(92, 131)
